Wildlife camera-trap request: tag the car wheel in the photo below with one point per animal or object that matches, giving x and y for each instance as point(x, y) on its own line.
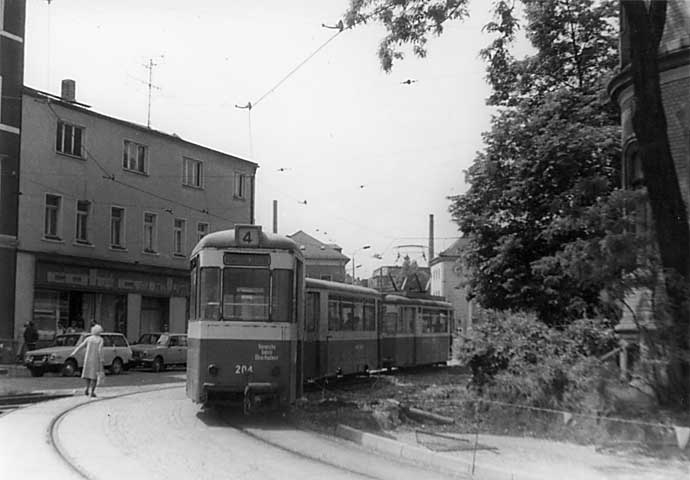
point(36, 372)
point(69, 368)
point(116, 367)
point(158, 364)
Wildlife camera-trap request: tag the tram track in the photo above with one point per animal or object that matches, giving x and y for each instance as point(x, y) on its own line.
point(246, 426)
point(54, 440)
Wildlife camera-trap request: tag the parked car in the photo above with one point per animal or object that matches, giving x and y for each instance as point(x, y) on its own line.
point(169, 349)
point(117, 355)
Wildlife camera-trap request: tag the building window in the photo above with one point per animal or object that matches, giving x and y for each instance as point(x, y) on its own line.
point(117, 227)
point(201, 230)
point(242, 185)
point(134, 157)
point(69, 139)
point(150, 233)
point(52, 217)
point(82, 231)
point(179, 233)
point(192, 173)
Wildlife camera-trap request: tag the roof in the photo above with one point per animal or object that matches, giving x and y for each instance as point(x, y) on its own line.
point(83, 108)
point(451, 253)
point(313, 249)
point(226, 239)
point(315, 283)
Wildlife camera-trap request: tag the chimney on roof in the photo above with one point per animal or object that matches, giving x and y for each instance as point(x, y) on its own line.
point(69, 90)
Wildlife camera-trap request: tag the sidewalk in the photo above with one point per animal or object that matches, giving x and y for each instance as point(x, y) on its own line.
point(515, 458)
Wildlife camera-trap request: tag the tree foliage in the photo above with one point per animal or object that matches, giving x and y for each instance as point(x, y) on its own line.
point(407, 22)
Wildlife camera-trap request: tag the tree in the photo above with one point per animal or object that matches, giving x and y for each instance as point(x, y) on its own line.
point(515, 82)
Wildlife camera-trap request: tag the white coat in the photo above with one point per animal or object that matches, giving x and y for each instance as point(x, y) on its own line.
point(93, 358)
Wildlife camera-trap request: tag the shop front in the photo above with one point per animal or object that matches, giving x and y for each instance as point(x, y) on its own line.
point(68, 297)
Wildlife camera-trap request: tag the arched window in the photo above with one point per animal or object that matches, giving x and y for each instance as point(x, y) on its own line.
point(633, 179)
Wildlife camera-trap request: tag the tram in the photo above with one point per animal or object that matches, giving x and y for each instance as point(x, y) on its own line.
point(258, 329)
point(246, 311)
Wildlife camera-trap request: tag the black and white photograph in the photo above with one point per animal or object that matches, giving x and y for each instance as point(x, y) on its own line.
point(345, 239)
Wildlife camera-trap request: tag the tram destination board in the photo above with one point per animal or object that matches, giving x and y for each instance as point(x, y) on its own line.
point(247, 259)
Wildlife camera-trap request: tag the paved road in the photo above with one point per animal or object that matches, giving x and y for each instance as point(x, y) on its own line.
point(18, 380)
point(160, 434)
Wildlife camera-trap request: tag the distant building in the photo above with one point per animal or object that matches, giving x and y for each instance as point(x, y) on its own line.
point(109, 211)
point(324, 261)
point(448, 281)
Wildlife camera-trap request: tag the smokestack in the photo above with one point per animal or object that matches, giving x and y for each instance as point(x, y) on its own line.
point(431, 237)
point(69, 90)
point(275, 216)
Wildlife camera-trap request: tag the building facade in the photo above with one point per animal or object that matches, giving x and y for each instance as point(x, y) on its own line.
point(448, 281)
point(12, 15)
point(324, 261)
point(108, 213)
point(674, 73)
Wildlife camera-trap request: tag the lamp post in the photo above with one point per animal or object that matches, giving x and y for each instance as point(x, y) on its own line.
point(353, 260)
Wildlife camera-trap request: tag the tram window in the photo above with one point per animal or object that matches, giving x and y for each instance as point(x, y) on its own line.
point(358, 317)
point(369, 316)
point(390, 321)
point(245, 294)
point(347, 310)
point(313, 311)
point(192, 293)
point(281, 298)
point(408, 316)
point(334, 315)
point(210, 293)
point(427, 321)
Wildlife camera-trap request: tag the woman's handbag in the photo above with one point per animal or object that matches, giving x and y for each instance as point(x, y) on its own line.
point(100, 378)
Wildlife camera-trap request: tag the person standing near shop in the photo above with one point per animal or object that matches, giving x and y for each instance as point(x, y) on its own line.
point(93, 359)
point(30, 337)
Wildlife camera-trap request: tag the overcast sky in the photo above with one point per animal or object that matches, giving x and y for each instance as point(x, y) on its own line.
point(371, 156)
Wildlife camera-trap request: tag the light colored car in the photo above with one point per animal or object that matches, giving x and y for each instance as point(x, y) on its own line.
point(117, 355)
point(169, 349)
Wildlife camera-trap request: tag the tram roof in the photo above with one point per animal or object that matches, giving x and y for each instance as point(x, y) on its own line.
point(340, 287)
point(416, 301)
point(226, 239)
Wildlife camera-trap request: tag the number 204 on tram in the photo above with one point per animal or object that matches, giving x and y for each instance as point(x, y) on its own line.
point(245, 313)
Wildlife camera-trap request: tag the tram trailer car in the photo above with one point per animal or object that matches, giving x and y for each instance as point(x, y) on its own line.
point(414, 331)
point(340, 335)
point(246, 309)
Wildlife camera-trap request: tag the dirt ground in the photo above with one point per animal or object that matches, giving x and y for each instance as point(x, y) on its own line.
point(380, 404)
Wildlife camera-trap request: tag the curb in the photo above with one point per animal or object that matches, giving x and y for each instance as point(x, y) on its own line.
point(439, 462)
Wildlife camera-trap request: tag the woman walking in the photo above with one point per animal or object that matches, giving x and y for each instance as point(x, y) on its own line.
point(93, 359)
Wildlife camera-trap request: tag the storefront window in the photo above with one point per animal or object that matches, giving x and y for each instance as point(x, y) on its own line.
point(50, 307)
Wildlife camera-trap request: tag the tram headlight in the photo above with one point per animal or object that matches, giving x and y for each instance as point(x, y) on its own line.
point(213, 370)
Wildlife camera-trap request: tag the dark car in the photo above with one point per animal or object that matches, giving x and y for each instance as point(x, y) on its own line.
point(167, 350)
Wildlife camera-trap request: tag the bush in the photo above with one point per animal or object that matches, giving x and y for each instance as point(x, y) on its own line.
point(517, 359)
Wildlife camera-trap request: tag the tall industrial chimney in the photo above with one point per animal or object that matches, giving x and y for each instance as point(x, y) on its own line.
point(275, 216)
point(431, 237)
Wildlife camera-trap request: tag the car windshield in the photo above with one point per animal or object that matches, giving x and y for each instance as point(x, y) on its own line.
point(67, 340)
point(163, 339)
point(148, 338)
